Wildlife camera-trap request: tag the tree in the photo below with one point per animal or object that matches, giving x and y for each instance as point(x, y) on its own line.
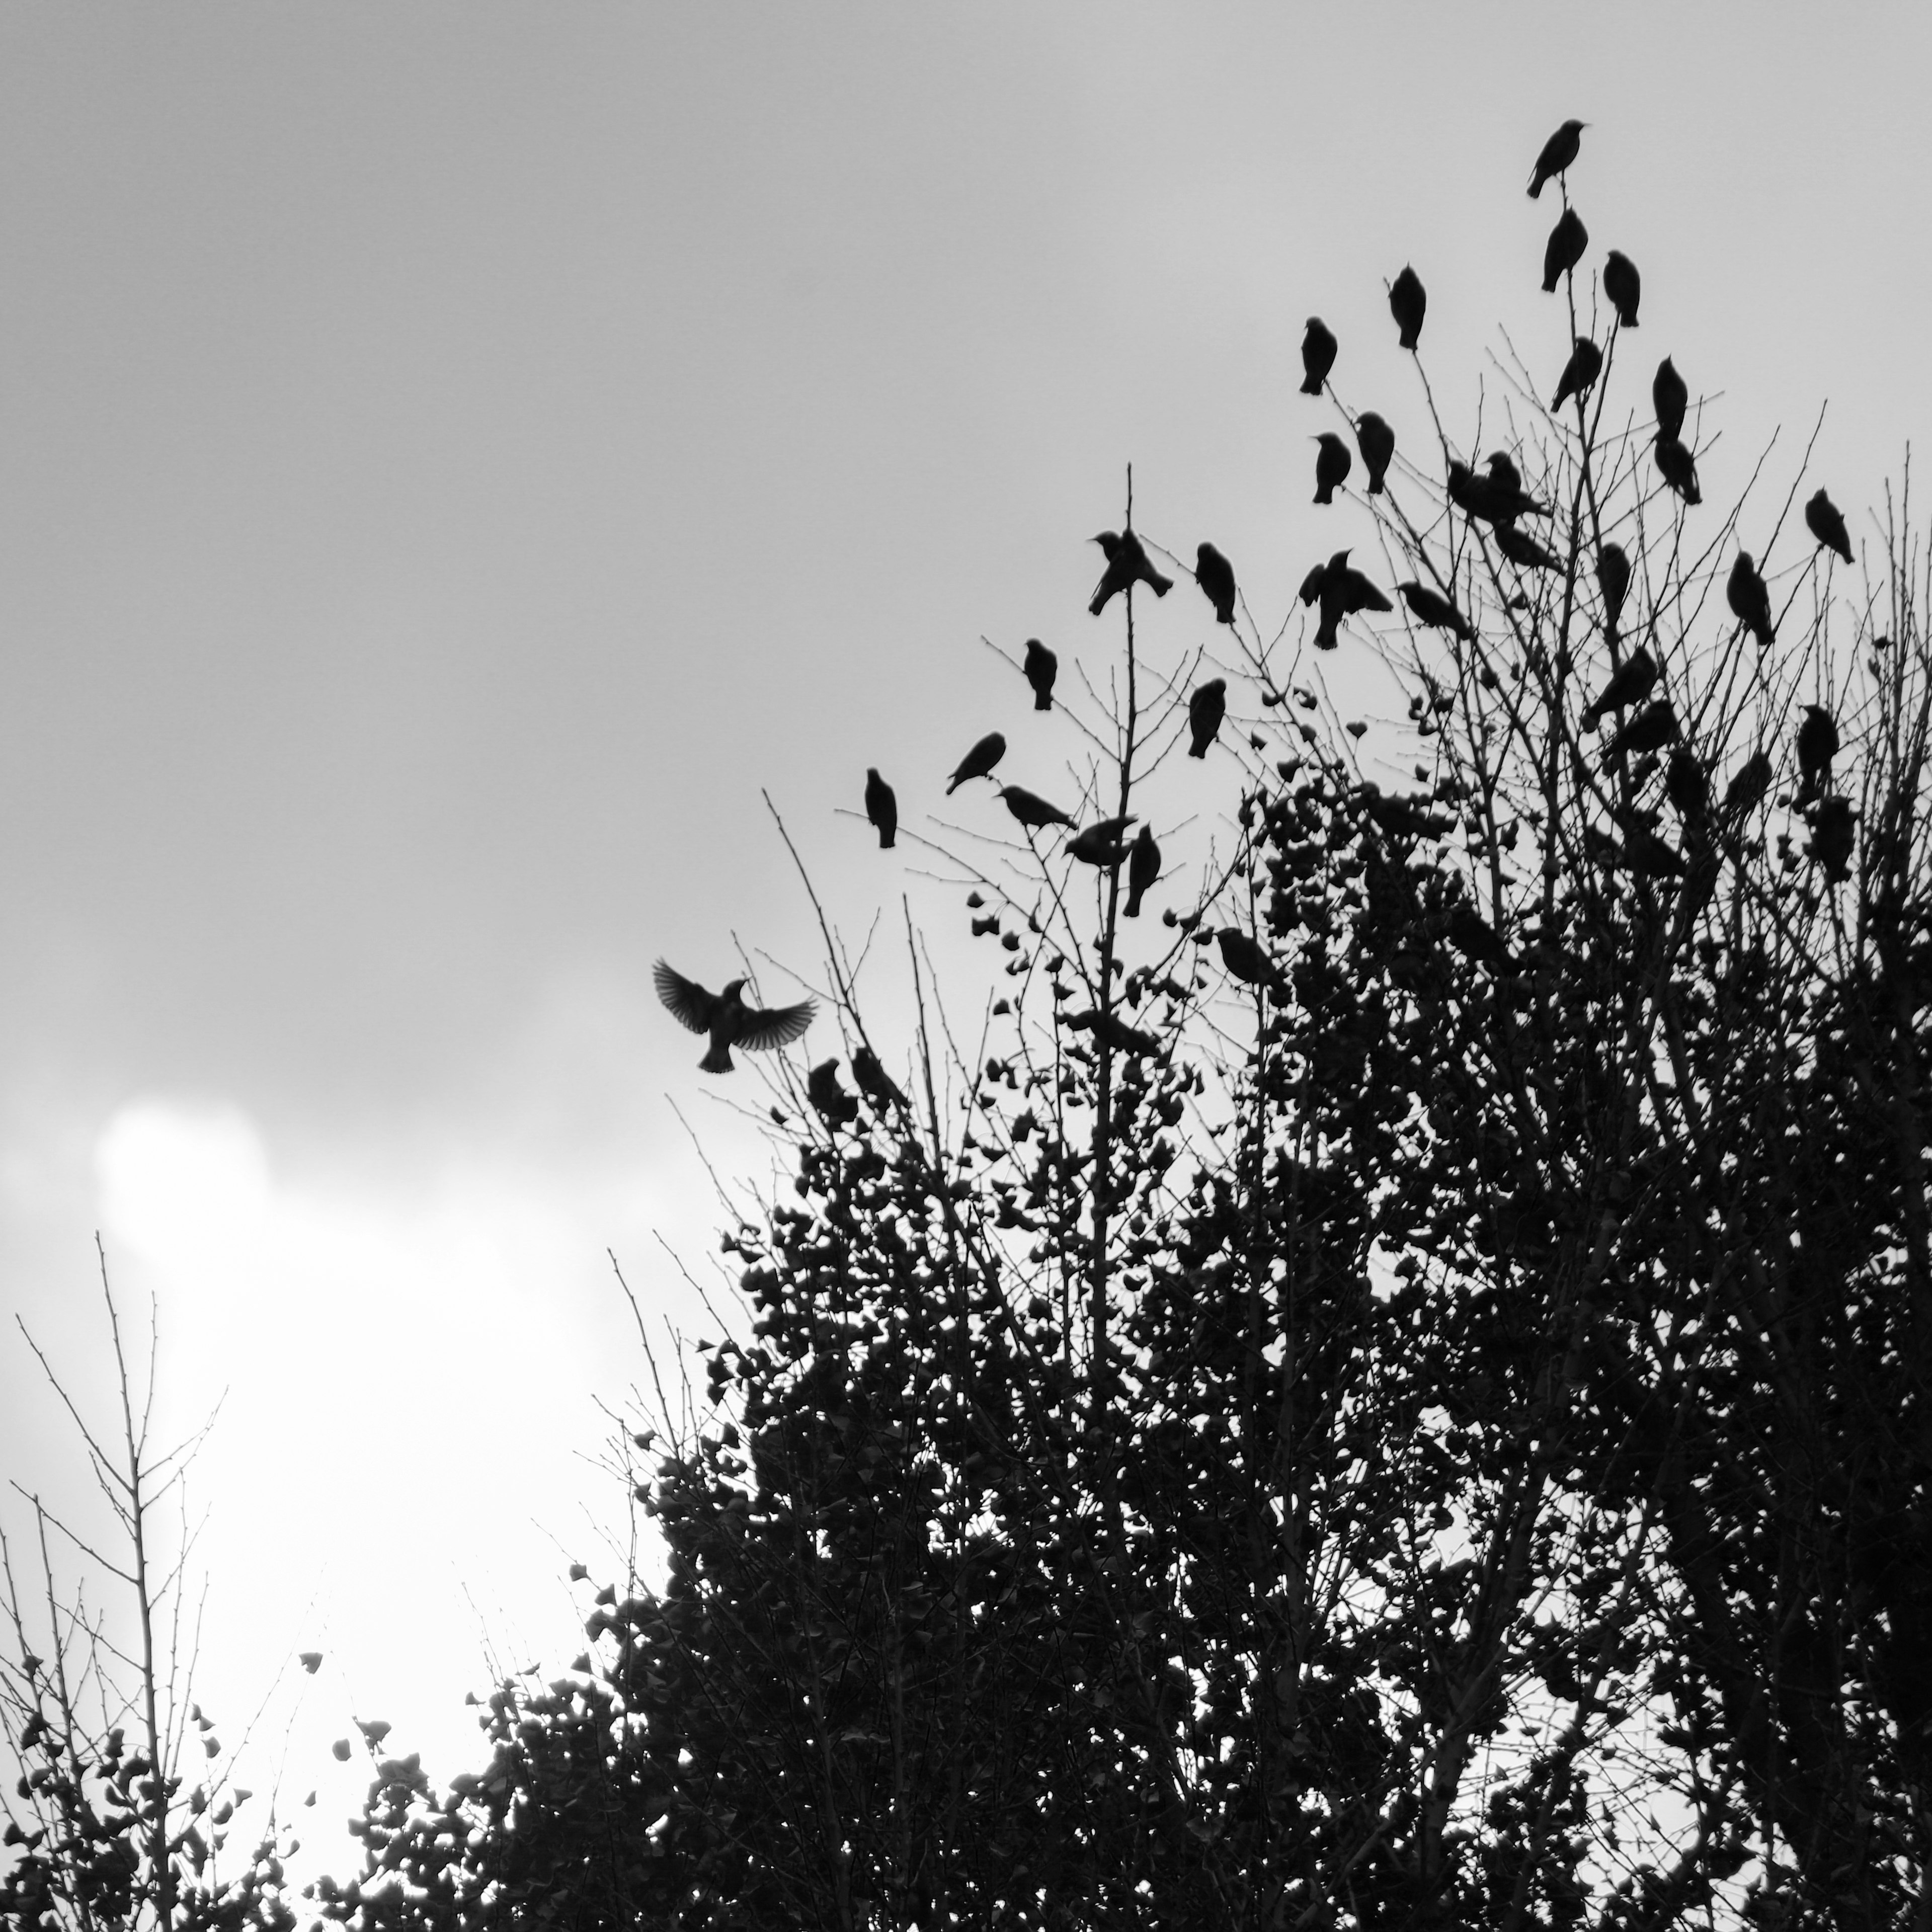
point(1423, 1422)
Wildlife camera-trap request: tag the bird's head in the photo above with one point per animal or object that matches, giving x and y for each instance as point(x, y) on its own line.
point(1109, 540)
point(734, 990)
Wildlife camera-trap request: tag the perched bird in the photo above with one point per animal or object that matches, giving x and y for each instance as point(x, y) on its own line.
point(1498, 498)
point(1685, 783)
point(1332, 465)
point(1580, 373)
point(838, 1108)
point(1143, 869)
point(1216, 576)
point(1318, 356)
point(1678, 468)
point(1343, 592)
point(1503, 471)
point(874, 1082)
point(1032, 811)
point(1041, 668)
point(1624, 286)
point(882, 808)
point(1817, 746)
point(1409, 302)
point(979, 761)
point(1613, 577)
point(1113, 1031)
point(1670, 396)
point(1376, 441)
point(1474, 937)
point(1630, 684)
point(1831, 839)
point(727, 1019)
point(1649, 855)
point(1245, 959)
point(1206, 708)
point(1099, 844)
point(1563, 250)
point(1523, 551)
point(1559, 151)
point(1823, 519)
point(1436, 610)
point(1126, 565)
point(1745, 792)
point(1650, 729)
point(1749, 599)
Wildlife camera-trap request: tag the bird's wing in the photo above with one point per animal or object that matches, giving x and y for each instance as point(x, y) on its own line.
point(776, 1026)
point(689, 1002)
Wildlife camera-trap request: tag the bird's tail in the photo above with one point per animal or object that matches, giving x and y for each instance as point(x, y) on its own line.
point(1162, 585)
point(1133, 908)
point(1043, 700)
point(885, 840)
point(719, 1059)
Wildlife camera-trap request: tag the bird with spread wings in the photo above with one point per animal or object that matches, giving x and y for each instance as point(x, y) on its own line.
point(727, 1019)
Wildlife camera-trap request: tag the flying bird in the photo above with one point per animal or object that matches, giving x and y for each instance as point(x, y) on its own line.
point(882, 808)
point(1670, 396)
point(1099, 844)
point(1376, 441)
point(1041, 668)
point(1245, 959)
point(1409, 302)
point(1580, 373)
point(1559, 151)
point(1613, 577)
point(727, 1019)
point(1831, 838)
point(1624, 286)
point(1817, 746)
point(1749, 599)
point(1206, 708)
point(1630, 684)
point(1651, 730)
point(1745, 792)
point(1436, 610)
point(1823, 519)
point(1333, 463)
point(1563, 250)
point(1343, 592)
point(1318, 356)
point(1678, 469)
point(979, 761)
point(1032, 811)
point(1126, 565)
point(1216, 576)
point(1143, 869)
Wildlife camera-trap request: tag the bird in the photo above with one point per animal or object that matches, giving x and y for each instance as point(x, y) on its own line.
point(1563, 250)
point(1650, 729)
point(1113, 1031)
point(1678, 468)
point(1216, 576)
point(1746, 791)
point(1613, 577)
point(1826, 522)
point(1099, 844)
point(1126, 565)
point(1630, 684)
point(1624, 286)
point(874, 1081)
point(1436, 610)
point(1318, 356)
point(1409, 302)
point(1342, 591)
point(979, 761)
point(1832, 837)
point(1376, 441)
point(1498, 498)
point(727, 1019)
point(1041, 668)
point(1474, 937)
point(1523, 551)
point(1206, 708)
point(1817, 746)
point(1143, 869)
point(1333, 463)
point(882, 808)
point(1244, 959)
point(1685, 782)
point(1580, 373)
point(1031, 810)
point(1749, 600)
point(1559, 151)
point(1649, 855)
point(1670, 396)
point(838, 1108)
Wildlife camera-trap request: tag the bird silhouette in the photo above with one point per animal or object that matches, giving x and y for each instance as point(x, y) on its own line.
point(1678, 469)
point(1745, 792)
point(1031, 810)
point(1333, 462)
point(1100, 844)
point(1341, 591)
point(1216, 576)
point(1318, 356)
point(1126, 565)
point(1409, 302)
point(1624, 286)
point(1244, 959)
point(1831, 838)
point(1580, 373)
point(1817, 746)
point(979, 761)
point(1498, 498)
point(1436, 610)
point(1749, 600)
point(874, 1082)
point(1376, 441)
point(1650, 729)
point(1474, 937)
point(1523, 551)
point(1206, 708)
point(1143, 869)
point(1559, 151)
point(1041, 668)
point(1670, 396)
point(1114, 1032)
point(1613, 577)
point(1629, 684)
point(1563, 250)
point(1823, 519)
point(1686, 784)
point(882, 808)
point(727, 1019)
point(838, 1108)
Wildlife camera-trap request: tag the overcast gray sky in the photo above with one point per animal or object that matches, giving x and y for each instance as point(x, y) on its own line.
point(452, 457)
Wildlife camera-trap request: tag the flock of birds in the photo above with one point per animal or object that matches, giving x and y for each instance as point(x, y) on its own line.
point(1496, 496)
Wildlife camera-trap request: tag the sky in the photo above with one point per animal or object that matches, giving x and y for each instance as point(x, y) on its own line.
point(454, 460)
